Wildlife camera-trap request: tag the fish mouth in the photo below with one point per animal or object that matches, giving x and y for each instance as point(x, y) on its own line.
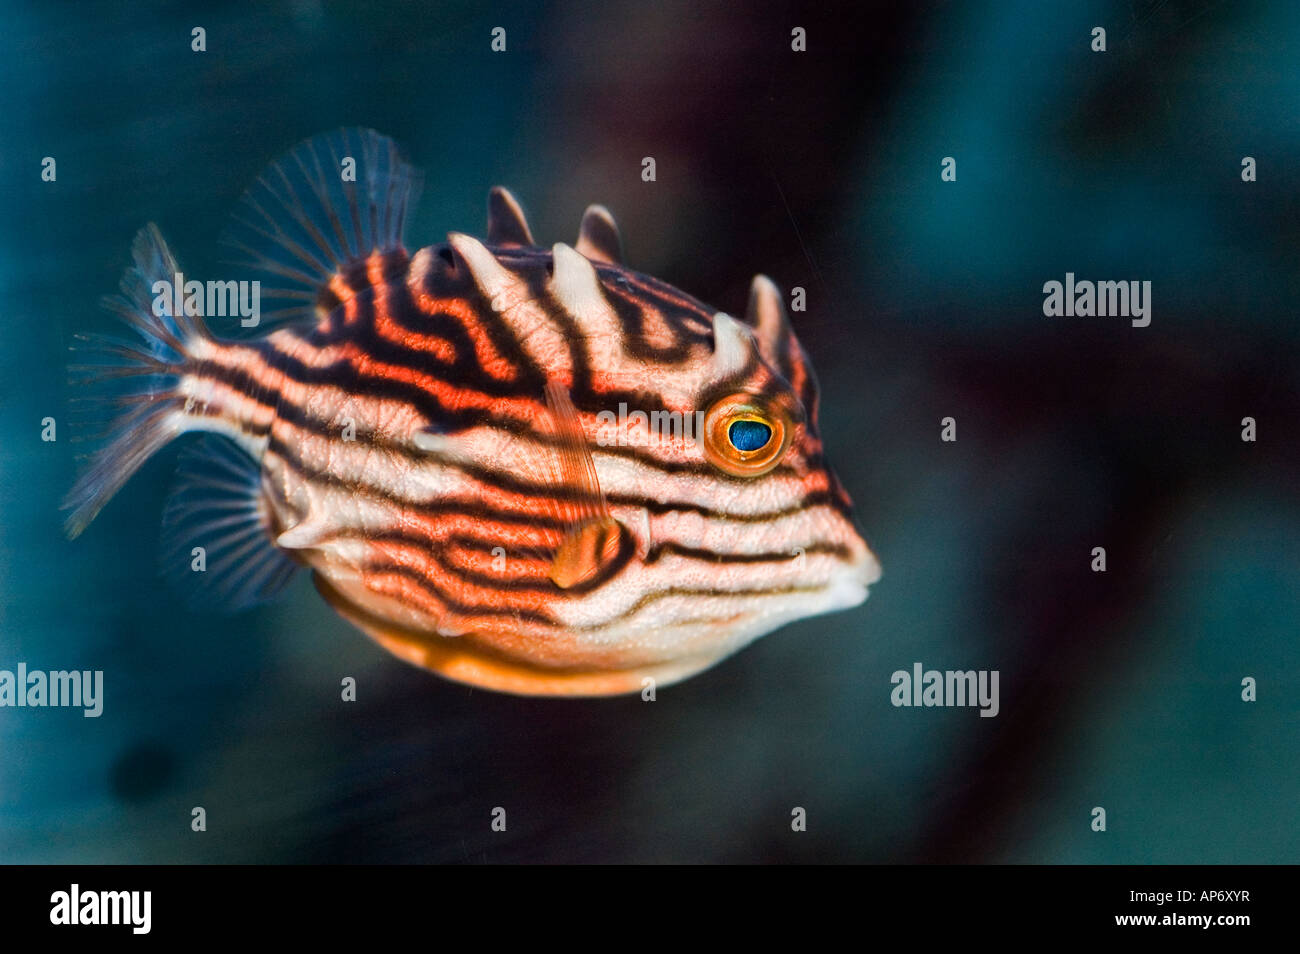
point(466, 660)
point(869, 569)
point(858, 574)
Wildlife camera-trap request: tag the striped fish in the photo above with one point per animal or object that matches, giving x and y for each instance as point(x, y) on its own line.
point(483, 451)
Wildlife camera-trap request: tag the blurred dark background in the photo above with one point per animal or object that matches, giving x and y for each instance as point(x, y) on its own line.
point(821, 169)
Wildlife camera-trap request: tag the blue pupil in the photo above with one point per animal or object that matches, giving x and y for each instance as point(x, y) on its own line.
point(748, 436)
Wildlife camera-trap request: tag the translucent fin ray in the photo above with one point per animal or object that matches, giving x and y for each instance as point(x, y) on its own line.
point(594, 538)
point(141, 417)
point(217, 504)
point(331, 202)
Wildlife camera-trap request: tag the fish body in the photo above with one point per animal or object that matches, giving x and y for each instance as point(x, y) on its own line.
point(442, 437)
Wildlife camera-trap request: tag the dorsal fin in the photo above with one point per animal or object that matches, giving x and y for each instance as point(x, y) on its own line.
point(311, 217)
point(506, 222)
point(598, 237)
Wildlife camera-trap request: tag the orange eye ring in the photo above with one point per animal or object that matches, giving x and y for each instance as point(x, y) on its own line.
point(733, 435)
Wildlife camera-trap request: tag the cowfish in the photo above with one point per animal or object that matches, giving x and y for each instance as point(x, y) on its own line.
point(527, 469)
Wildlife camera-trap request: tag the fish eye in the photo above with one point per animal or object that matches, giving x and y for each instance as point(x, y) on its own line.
point(745, 435)
point(748, 435)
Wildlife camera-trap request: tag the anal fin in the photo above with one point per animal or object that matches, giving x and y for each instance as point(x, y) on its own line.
point(217, 505)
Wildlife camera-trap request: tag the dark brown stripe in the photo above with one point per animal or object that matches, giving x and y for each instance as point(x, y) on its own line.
point(713, 556)
point(421, 580)
point(427, 405)
point(293, 459)
point(655, 596)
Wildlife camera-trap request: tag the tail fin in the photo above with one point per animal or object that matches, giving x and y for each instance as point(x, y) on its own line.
point(150, 412)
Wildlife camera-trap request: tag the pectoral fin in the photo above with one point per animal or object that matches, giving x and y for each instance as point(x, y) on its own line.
point(585, 551)
point(595, 540)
